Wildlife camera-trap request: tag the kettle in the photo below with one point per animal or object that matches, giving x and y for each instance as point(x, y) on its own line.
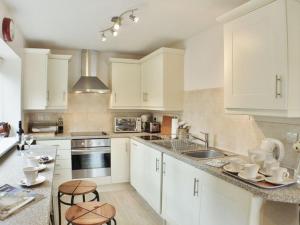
point(273, 148)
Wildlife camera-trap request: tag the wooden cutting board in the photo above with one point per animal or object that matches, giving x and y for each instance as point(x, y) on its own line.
point(166, 125)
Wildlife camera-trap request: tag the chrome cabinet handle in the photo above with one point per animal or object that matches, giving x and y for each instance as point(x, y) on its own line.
point(196, 187)
point(278, 87)
point(157, 165)
point(115, 96)
point(164, 168)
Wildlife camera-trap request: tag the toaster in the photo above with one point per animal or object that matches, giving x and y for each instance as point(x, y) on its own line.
point(152, 127)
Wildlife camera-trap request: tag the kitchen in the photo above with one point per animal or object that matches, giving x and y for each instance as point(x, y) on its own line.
point(187, 108)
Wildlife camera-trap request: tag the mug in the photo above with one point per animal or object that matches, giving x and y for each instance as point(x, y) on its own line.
point(250, 170)
point(280, 174)
point(31, 173)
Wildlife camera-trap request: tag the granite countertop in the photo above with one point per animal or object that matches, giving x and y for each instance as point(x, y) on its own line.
point(67, 136)
point(38, 213)
point(290, 194)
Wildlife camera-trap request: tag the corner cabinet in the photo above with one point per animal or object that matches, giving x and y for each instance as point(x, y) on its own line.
point(120, 154)
point(45, 80)
point(154, 82)
point(261, 58)
point(126, 83)
point(162, 80)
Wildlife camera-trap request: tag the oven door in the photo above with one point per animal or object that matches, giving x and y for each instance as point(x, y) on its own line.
point(90, 162)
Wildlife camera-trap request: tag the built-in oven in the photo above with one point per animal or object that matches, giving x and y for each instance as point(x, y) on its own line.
point(90, 157)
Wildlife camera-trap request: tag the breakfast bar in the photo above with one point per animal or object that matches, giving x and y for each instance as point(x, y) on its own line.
point(36, 213)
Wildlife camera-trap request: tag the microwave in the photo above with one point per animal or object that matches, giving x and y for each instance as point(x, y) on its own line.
point(127, 125)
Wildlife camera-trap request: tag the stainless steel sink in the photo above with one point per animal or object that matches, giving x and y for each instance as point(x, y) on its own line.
point(205, 154)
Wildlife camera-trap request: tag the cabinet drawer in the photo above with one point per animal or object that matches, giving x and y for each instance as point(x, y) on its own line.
point(63, 164)
point(61, 144)
point(63, 154)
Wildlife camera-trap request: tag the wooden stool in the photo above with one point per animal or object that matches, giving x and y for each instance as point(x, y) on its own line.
point(91, 213)
point(73, 188)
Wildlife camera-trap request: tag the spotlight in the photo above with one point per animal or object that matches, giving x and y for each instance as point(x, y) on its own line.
point(134, 18)
point(114, 32)
point(117, 22)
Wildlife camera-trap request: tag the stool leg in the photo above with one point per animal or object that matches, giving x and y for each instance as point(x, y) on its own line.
point(108, 223)
point(114, 221)
point(59, 208)
point(97, 196)
point(72, 200)
point(83, 198)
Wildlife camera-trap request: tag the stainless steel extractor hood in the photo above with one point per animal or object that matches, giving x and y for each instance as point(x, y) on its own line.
point(89, 82)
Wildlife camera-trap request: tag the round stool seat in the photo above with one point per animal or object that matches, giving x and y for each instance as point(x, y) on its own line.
point(90, 213)
point(77, 187)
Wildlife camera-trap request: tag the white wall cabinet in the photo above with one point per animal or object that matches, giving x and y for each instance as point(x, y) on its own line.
point(45, 81)
point(35, 70)
point(181, 192)
point(145, 173)
point(120, 154)
point(162, 80)
point(154, 82)
point(58, 67)
point(262, 53)
point(126, 84)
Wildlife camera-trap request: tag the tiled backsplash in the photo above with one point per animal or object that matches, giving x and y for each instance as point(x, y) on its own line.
point(204, 110)
point(86, 112)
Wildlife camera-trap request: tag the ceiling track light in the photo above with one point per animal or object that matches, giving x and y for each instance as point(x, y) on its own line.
point(117, 23)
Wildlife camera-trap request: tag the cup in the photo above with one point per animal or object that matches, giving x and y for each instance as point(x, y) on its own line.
point(280, 174)
point(31, 173)
point(236, 164)
point(250, 170)
point(270, 164)
point(33, 161)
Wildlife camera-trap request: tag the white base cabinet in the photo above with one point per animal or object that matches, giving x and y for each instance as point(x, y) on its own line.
point(120, 154)
point(181, 192)
point(145, 173)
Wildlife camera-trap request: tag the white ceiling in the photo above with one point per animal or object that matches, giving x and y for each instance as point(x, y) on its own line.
point(75, 23)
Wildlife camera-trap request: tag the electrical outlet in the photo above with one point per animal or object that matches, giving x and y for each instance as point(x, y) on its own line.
point(296, 146)
point(292, 137)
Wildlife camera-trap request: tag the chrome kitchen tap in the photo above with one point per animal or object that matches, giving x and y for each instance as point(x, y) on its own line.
point(205, 140)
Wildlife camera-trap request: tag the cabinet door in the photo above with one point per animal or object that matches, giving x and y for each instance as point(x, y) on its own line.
point(35, 81)
point(119, 160)
point(152, 82)
point(181, 192)
point(136, 166)
point(152, 178)
point(57, 83)
point(256, 59)
point(223, 203)
point(126, 85)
